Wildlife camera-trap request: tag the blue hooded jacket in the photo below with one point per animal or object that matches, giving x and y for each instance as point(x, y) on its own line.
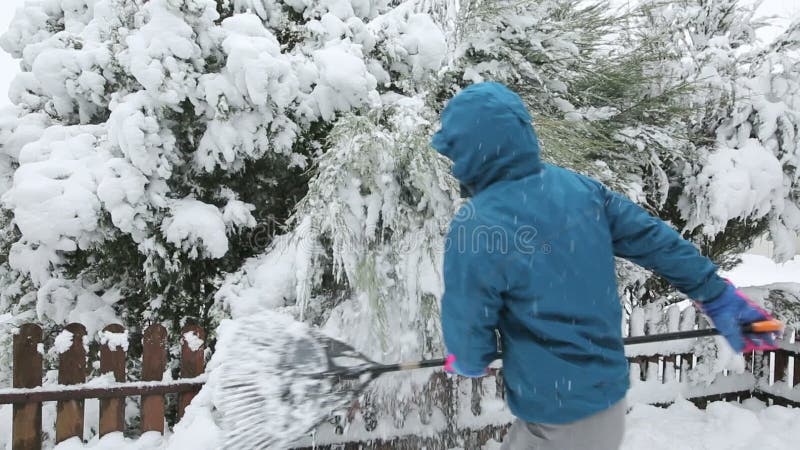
point(532, 255)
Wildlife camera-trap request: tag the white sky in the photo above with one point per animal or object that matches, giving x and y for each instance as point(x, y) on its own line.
point(784, 9)
point(8, 66)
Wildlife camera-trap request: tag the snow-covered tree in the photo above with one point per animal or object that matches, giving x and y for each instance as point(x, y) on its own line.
point(195, 160)
point(646, 100)
point(738, 130)
point(752, 173)
point(155, 146)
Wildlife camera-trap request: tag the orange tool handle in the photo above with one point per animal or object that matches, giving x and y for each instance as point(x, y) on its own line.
point(766, 326)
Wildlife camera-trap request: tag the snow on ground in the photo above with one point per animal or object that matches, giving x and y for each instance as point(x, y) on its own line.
point(722, 426)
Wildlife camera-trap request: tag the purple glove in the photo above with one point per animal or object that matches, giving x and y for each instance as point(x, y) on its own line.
point(732, 310)
point(451, 367)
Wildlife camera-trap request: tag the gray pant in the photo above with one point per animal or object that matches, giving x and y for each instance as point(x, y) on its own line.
point(602, 431)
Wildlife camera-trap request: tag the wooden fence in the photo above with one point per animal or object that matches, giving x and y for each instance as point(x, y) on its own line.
point(660, 373)
point(72, 388)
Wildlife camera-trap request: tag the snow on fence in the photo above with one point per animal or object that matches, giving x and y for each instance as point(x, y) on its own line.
point(28, 394)
point(438, 411)
point(663, 372)
point(466, 413)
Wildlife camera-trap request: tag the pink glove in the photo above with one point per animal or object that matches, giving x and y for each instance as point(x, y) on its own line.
point(451, 367)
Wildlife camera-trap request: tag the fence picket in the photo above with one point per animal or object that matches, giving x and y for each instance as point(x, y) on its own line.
point(652, 364)
point(71, 370)
point(636, 322)
point(154, 362)
point(26, 429)
point(688, 319)
point(669, 368)
point(193, 347)
point(112, 410)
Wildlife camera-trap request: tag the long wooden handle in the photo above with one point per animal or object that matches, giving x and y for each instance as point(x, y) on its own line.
point(383, 368)
point(767, 326)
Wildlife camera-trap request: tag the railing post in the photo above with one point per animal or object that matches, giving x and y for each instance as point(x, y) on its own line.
point(71, 370)
point(748, 362)
point(688, 321)
point(653, 364)
point(26, 430)
point(112, 359)
point(154, 361)
point(192, 361)
point(748, 368)
point(796, 381)
point(761, 368)
point(781, 364)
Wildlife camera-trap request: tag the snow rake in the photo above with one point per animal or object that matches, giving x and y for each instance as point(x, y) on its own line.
point(281, 378)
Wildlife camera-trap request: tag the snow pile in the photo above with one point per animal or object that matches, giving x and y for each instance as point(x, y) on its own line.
point(198, 430)
point(197, 227)
point(135, 134)
point(743, 182)
point(193, 340)
point(116, 441)
point(114, 341)
point(62, 342)
point(722, 426)
point(54, 198)
point(163, 54)
point(343, 81)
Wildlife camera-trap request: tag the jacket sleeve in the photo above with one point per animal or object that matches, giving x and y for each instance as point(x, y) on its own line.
point(651, 243)
point(472, 299)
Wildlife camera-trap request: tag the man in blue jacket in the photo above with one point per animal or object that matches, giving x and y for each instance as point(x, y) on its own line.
point(532, 256)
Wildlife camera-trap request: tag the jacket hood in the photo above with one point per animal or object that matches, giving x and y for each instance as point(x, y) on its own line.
point(487, 133)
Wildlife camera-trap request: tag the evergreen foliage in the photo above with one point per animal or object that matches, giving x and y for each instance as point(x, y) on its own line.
point(197, 160)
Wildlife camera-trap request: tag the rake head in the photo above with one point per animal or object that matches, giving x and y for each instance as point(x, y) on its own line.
point(280, 378)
